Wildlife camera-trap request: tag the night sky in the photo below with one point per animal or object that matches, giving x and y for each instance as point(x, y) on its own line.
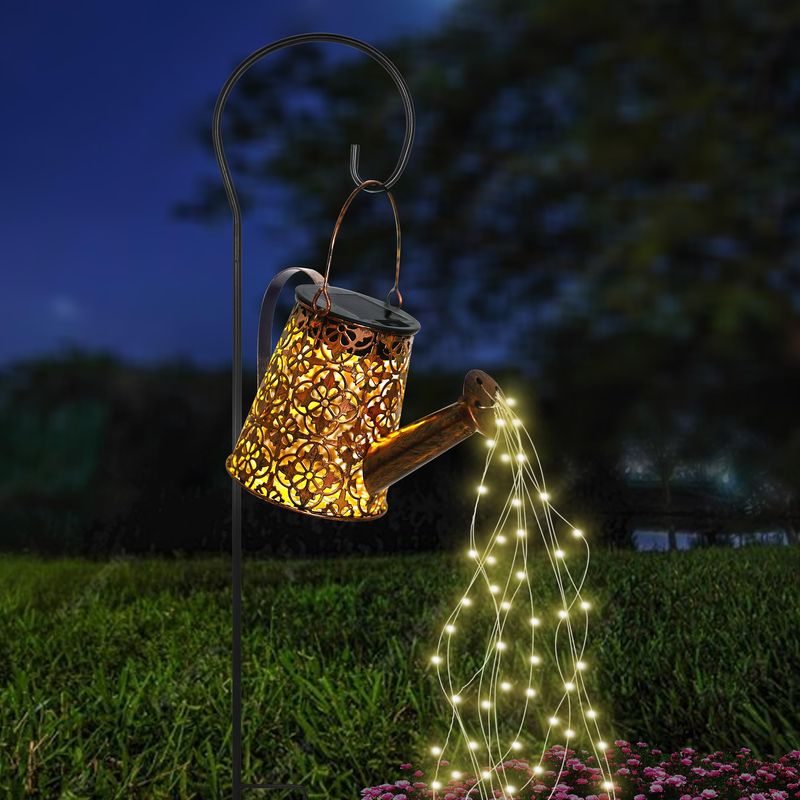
point(100, 107)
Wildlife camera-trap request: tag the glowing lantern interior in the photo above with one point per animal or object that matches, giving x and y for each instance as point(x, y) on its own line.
point(332, 388)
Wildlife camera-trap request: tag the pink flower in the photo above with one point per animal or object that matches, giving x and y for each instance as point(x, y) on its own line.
point(708, 793)
point(656, 788)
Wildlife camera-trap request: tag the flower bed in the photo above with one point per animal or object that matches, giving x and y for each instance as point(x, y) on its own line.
point(639, 771)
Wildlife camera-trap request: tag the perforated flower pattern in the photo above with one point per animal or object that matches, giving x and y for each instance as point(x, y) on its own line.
point(331, 389)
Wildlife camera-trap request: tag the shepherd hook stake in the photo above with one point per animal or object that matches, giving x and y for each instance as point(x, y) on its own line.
point(236, 395)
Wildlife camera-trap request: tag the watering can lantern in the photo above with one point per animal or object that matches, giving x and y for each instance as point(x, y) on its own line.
point(322, 435)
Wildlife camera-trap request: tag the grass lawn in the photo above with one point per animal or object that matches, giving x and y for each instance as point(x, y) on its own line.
point(114, 677)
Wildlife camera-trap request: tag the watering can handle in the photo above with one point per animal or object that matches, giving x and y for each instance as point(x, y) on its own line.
point(395, 290)
point(267, 313)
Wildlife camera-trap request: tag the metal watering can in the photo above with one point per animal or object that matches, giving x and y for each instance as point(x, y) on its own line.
point(322, 435)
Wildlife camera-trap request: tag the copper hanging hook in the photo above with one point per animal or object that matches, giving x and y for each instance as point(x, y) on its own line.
point(323, 290)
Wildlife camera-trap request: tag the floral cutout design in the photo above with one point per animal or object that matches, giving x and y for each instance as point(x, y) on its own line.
point(331, 389)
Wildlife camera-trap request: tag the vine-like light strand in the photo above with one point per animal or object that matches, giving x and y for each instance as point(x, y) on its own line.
point(502, 578)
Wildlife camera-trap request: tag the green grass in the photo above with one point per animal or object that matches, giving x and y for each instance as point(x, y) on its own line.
point(114, 677)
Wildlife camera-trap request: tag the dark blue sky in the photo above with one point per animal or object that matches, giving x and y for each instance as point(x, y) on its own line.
point(98, 146)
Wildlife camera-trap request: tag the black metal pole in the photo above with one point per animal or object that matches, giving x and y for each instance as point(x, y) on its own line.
point(236, 386)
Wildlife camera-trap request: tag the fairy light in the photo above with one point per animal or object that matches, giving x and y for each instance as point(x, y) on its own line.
point(493, 694)
point(510, 402)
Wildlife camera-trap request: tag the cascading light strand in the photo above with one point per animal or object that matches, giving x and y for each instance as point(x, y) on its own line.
point(498, 695)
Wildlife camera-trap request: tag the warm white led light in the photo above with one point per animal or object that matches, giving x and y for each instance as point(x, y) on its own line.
point(455, 699)
point(516, 745)
point(608, 785)
point(510, 402)
point(500, 539)
point(536, 660)
point(436, 785)
point(521, 532)
point(436, 659)
point(516, 502)
point(490, 443)
point(520, 457)
point(491, 560)
point(602, 746)
point(569, 686)
point(473, 745)
point(577, 533)
point(505, 686)
point(482, 489)
point(538, 770)
point(544, 496)
point(535, 621)
point(563, 613)
point(486, 704)
point(530, 692)
point(505, 458)
point(591, 713)
point(505, 605)
point(465, 601)
point(486, 774)
point(559, 553)
point(553, 720)
point(520, 575)
point(501, 645)
point(585, 606)
point(501, 423)
point(494, 588)
point(456, 774)
point(472, 553)
point(437, 751)
point(569, 733)
point(516, 422)
point(581, 665)
point(510, 789)
point(450, 628)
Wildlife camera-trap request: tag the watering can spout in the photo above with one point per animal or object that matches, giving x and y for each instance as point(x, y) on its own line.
point(396, 455)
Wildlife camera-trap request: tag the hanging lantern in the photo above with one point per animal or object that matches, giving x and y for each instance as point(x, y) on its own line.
point(322, 434)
